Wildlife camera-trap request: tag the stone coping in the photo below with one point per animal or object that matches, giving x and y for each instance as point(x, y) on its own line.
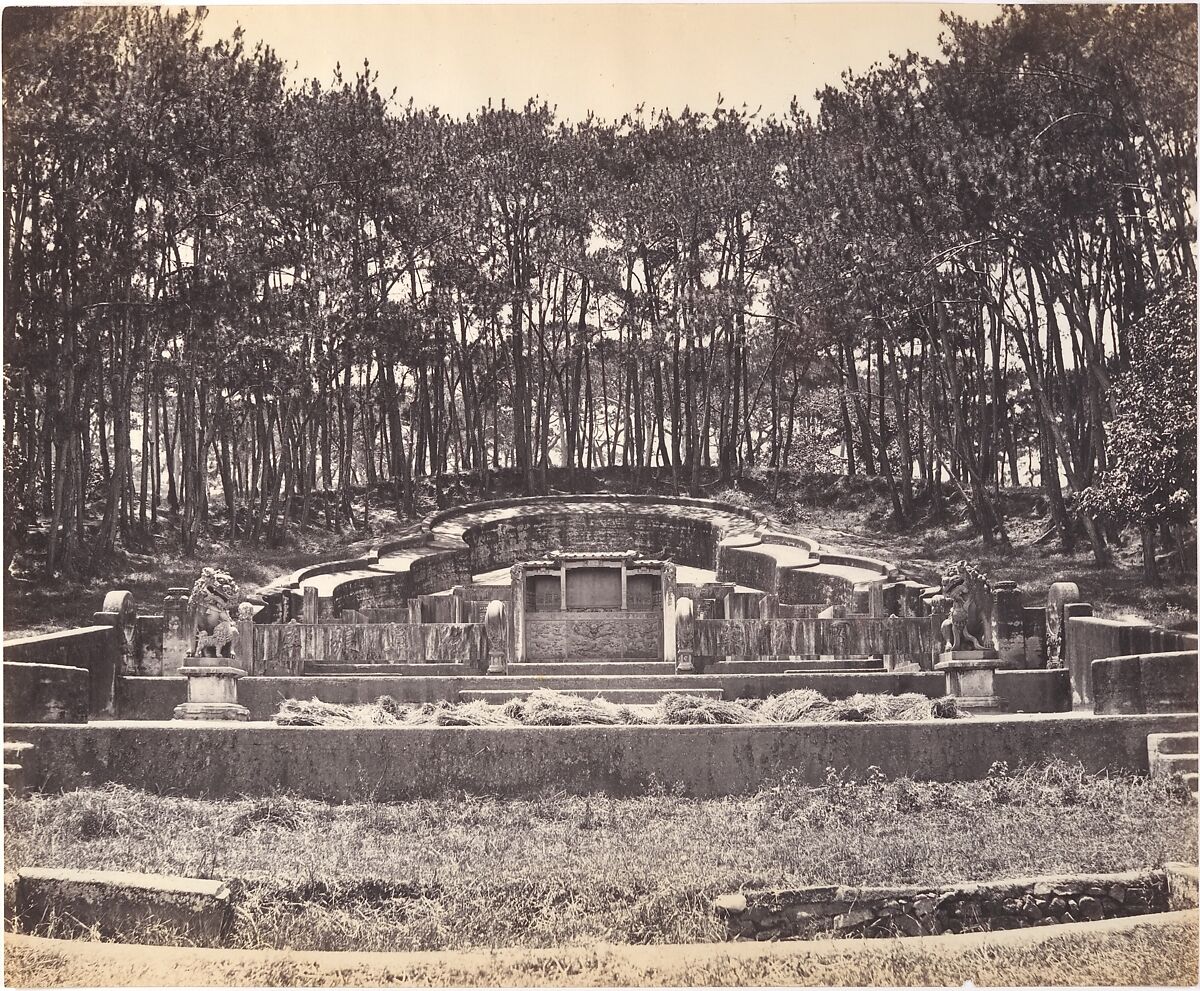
point(211, 671)
point(988, 663)
point(52, 637)
point(128, 879)
point(45, 664)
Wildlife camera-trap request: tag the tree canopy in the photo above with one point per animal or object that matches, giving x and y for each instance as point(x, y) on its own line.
point(215, 277)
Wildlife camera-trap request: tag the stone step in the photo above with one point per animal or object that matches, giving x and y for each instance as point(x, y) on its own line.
point(14, 750)
point(389, 670)
point(539, 668)
point(773, 665)
point(14, 779)
point(1174, 743)
point(1175, 764)
point(620, 696)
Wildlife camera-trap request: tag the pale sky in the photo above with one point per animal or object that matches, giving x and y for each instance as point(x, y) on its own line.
point(601, 57)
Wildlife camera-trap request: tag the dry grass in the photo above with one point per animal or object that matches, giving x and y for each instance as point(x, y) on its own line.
point(1153, 954)
point(545, 707)
point(561, 870)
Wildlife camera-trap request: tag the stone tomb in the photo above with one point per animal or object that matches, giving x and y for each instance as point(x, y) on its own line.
point(593, 606)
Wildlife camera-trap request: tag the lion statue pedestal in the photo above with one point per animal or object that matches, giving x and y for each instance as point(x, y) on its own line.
point(971, 678)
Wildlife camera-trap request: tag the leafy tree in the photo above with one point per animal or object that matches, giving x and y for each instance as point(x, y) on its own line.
point(1151, 477)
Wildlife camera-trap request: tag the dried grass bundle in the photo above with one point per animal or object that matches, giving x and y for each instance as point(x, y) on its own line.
point(549, 708)
point(545, 707)
point(700, 710)
point(443, 713)
point(314, 712)
point(794, 706)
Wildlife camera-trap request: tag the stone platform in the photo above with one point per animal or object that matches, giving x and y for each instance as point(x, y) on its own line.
point(392, 763)
point(156, 698)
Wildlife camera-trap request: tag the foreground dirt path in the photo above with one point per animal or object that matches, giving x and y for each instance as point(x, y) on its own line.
point(1161, 950)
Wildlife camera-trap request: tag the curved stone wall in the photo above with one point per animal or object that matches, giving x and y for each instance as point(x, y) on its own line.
point(452, 545)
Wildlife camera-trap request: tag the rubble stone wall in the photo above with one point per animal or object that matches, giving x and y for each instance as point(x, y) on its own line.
point(934, 910)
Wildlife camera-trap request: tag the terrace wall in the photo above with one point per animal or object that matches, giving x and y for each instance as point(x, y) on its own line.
point(391, 764)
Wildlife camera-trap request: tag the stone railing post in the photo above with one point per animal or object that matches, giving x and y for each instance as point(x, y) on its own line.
point(310, 610)
point(496, 636)
point(669, 597)
point(246, 642)
point(685, 635)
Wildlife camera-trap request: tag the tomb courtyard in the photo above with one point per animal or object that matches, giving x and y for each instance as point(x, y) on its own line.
point(644, 494)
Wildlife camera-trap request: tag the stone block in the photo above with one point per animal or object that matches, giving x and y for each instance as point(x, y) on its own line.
point(1047, 690)
point(120, 903)
point(97, 649)
point(1145, 683)
point(1183, 885)
point(1089, 638)
point(45, 693)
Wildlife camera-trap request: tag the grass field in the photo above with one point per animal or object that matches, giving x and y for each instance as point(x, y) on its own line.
point(565, 870)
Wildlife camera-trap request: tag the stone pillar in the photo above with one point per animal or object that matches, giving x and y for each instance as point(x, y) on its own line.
point(246, 646)
point(518, 612)
point(938, 614)
point(1033, 622)
point(177, 630)
point(104, 664)
point(911, 601)
point(120, 604)
point(1059, 596)
point(1008, 624)
point(860, 600)
point(311, 611)
point(893, 598)
point(414, 610)
point(668, 610)
point(495, 626)
point(459, 596)
point(768, 607)
point(685, 635)
point(875, 599)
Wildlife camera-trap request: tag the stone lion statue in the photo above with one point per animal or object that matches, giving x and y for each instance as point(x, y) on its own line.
point(968, 596)
point(213, 596)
